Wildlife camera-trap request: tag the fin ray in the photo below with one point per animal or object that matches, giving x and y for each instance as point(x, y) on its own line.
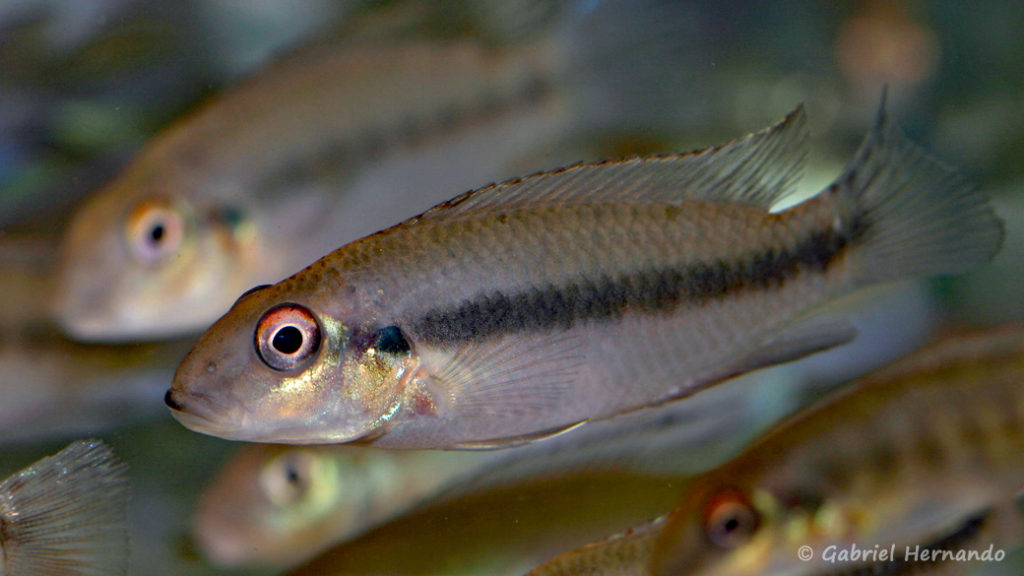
point(66, 514)
point(759, 169)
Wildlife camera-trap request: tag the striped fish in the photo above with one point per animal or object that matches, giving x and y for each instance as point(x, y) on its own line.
point(317, 150)
point(524, 309)
point(917, 465)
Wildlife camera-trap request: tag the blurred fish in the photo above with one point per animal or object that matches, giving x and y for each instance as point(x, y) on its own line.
point(522, 310)
point(277, 506)
point(927, 453)
point(317, 150)
point(273, 505)
point(51, 386)
point(66, 515)
point(504, 530)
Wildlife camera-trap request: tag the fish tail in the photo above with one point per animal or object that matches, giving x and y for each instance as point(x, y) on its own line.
point(910, 215)
point(66, 515)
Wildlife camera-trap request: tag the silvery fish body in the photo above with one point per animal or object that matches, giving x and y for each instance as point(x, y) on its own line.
point(924, 455)
point(326, 146)
point(523, 309)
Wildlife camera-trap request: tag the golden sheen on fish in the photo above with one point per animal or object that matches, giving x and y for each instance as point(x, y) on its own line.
point(314, 151)
point(66, 515)
point(526, 308)
point(924, 455)
point(276, 505)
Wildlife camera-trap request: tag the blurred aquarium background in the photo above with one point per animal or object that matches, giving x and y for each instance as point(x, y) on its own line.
point(83, 85)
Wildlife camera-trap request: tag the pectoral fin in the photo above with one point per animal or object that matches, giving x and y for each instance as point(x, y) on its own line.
point(510, 390)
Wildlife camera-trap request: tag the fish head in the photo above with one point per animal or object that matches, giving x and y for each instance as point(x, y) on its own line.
point(278, 367)
point(141, 260)
point(275, 505)
point(733, 526)
point(722, 527)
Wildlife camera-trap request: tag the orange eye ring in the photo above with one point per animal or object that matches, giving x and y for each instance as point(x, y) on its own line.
point(154, 230)
point(730, 520)
point(287, 337)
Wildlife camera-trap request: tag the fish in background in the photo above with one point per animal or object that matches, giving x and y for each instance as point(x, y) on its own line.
point(274, 505)
point(336, 142)
point(66, 515)
point(925, 454)
point(522, 310)
point(51, 386)
point(502, 530)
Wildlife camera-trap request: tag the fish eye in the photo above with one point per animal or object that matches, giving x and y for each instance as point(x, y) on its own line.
point(730, 520)
point(154, 230)
point(287, 337)
point(287, 478)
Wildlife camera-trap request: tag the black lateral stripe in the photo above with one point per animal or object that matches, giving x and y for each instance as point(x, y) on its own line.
point(653, 290)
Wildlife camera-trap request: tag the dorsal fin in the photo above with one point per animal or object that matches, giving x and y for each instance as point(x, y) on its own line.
point(759, 169)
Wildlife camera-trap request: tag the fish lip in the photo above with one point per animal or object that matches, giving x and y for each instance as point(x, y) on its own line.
point(199, 412)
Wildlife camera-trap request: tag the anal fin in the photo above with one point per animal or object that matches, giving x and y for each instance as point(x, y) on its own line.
point(802, 339)
point(514, 441)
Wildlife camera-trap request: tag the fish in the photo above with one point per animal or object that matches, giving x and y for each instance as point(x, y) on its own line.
point(522, 310)
point(66, 515)
point(924, 454)
point(315, 150)
point(503, 530)
point(55, 387)
point(278, 505)
point(274, 505)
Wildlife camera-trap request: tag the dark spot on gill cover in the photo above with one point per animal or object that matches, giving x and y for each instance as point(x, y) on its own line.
point(391, 341)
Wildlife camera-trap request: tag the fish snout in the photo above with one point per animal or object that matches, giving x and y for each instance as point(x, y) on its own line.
point(172, 403)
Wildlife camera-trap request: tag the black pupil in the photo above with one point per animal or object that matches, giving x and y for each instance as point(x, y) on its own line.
point(731, 525)
point(293, 475)
point(287, 340)
point(156, 234)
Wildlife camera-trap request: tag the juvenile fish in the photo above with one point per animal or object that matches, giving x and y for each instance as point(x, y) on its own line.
point(926, 454)
point(523, 309)
point(320, 149)
point(66, 515)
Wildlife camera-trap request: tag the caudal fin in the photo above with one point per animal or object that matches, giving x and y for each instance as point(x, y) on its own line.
point(65, 515)
point(913, 216)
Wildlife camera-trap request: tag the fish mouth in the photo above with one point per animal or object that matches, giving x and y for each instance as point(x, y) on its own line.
point(200, 413)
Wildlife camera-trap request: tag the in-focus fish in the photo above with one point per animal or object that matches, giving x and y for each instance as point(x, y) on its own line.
point(523, 309)
point(926, 454)
point(315, 151)
point(65, 515)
